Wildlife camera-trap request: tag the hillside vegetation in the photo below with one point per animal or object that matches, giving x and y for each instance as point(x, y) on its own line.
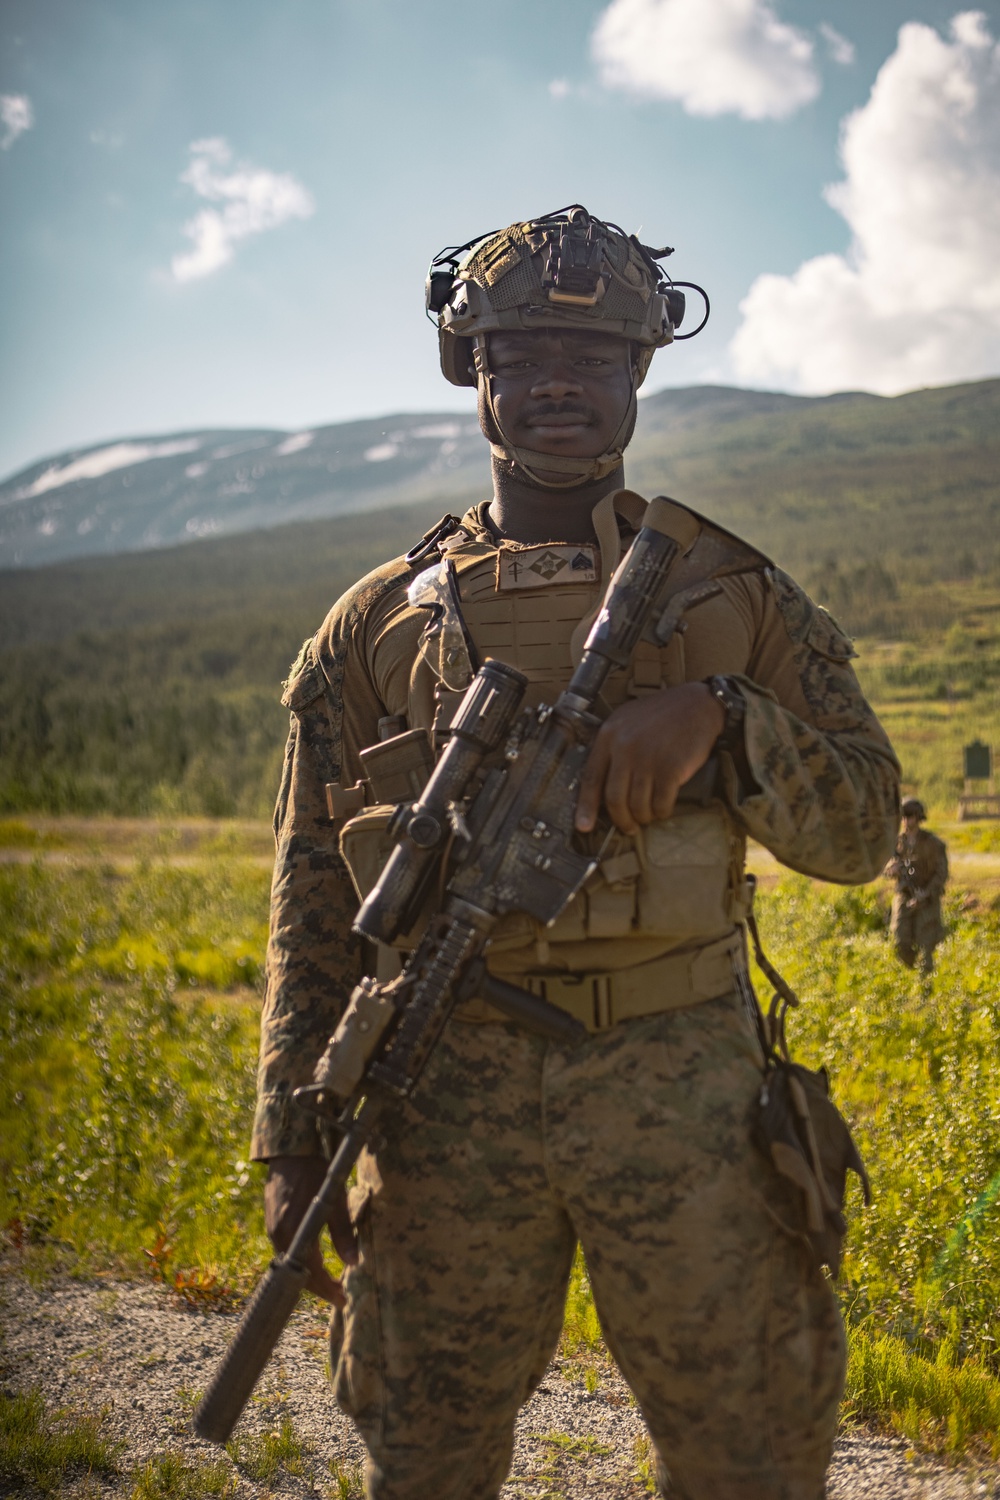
point(148, 683)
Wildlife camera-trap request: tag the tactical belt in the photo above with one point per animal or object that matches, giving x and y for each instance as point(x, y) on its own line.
point(601, 1000)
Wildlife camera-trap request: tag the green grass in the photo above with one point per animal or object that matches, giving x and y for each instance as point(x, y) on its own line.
point(346, 1480)
point(127, 1096)
point(39, 1449)
point(170, 1476)
point(916, 1071)
point(264, 1455)
point(948, 1407)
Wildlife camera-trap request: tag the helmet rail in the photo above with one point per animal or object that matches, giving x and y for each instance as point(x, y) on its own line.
point(564, 270)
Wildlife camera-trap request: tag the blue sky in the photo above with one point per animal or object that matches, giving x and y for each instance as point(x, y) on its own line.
point(220, 212)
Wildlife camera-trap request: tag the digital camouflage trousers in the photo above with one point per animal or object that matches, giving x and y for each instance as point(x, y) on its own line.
point(636, 1144)
point(916, 932)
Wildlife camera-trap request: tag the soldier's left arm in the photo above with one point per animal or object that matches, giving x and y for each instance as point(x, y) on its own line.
point(939, 876)
point(820, 782)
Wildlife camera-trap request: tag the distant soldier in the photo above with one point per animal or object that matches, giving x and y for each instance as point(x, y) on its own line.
point(920, 869)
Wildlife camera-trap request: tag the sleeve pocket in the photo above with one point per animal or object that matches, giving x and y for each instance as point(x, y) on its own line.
point(304, 688)
point(825, 636)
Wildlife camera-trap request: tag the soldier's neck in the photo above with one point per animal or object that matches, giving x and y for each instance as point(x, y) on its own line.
point(527, 513)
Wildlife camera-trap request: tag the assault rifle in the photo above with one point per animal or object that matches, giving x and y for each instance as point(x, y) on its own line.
point(509, 847)
point(904, 872)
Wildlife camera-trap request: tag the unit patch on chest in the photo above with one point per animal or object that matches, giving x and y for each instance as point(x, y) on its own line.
point(539, 567)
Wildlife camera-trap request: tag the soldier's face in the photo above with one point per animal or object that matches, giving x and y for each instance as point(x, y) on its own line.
point(559, 392)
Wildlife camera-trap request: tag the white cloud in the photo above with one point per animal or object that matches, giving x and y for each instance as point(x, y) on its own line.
point(916, 300)
point(840, 49)
point(103, 461)
point(252, 200)
point(714, 56)
point(559, 88)
point(16, 116)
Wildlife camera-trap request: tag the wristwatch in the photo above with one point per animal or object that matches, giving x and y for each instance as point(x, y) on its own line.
point(735, 705)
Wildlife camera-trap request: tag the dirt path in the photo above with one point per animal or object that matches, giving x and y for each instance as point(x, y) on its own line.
point(134, 1353)
point(125, 842)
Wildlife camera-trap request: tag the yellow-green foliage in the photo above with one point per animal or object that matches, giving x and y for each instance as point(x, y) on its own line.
point(347, 1480)
point(126, 1096)
point(937, 1403)
point(581, 1326)
point(126, 1102)
point(935, 686)
point(915, 1069)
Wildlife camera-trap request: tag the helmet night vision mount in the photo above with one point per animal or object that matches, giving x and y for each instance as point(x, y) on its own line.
point(564, 270)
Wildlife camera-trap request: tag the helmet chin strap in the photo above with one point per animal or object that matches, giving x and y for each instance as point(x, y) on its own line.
point(541, 468)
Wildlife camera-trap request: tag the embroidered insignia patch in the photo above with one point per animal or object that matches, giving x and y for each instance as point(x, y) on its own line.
point(555, 562)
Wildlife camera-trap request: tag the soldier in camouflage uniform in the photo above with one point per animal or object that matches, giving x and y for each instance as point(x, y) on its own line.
point(919, 868)
point(636, 1143)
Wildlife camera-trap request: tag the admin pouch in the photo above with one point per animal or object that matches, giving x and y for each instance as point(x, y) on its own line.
point(680, 879)
point(801, 1131)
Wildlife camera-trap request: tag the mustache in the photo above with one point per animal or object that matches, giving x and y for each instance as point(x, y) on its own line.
point(561, 409)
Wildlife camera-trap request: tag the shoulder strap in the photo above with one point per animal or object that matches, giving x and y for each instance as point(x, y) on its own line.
point(772, 1029)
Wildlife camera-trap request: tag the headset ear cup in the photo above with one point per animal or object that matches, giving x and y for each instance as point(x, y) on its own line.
point(456, 359)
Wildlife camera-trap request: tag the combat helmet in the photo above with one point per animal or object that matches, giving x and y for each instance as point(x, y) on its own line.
point(566, 269)
point(913, 808)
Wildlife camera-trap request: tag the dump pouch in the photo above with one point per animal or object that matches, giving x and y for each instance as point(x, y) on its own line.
point(806, 1138)
point(798, 1127)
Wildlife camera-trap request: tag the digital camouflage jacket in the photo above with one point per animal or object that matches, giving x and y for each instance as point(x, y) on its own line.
point(822, 792)
point(920, 866)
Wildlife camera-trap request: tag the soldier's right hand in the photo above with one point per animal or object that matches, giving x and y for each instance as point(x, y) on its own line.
point(292, 1184)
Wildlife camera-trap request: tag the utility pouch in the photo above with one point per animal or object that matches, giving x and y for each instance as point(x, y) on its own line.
point(365, 846)
point(801, 1131)
point(691, 883)
point(398, 769)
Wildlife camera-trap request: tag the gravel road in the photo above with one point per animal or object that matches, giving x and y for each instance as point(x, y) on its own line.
point(134, 1353)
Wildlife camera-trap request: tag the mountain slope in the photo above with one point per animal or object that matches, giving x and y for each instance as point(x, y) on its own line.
point(149, 681)
point(147, 492)
point(773, 466)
